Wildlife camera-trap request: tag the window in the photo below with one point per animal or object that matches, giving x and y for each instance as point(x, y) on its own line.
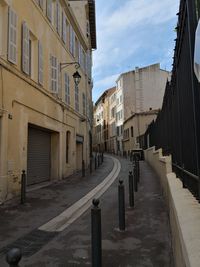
point(67, 89)
point(77, 50)
point(40, 63)
point(54, 74)
point(64, 28)
point(67, 146)
point(12, 36)
point(131, 131)
point(76, 98)
point(41, 4)
point(49, 10)
point(26, 49)
point(87, 28)
point(72, 41)
point(88, 60)
point(84, 104)
point(58, 18)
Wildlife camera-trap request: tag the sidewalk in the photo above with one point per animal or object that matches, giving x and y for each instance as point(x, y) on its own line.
point(44, 204)
point(146, 241)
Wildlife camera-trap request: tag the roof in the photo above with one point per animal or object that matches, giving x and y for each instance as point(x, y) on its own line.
point(92, 19)
point(108, 92)
point(148, 112)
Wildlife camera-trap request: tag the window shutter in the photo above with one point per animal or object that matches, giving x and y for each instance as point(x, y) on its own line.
point(67, 89)
point(54, 74)
point(41, 4)
point(40, 63)
point(58, 9)
point(49, 10)
point(64, 28)
point(59, 91)
point(12, 36)
point(71, 39)
point(25, 49)
point(79, 53)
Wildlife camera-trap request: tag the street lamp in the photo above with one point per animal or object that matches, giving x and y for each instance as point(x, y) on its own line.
point(76, 75)
point(77, 78)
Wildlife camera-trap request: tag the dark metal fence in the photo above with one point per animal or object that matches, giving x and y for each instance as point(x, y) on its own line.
point(177, 127)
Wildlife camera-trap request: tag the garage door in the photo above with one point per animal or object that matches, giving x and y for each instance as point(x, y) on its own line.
point(39, 156)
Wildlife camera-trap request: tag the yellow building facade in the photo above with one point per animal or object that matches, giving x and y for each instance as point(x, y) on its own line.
point(45, 119)
point(134, 127)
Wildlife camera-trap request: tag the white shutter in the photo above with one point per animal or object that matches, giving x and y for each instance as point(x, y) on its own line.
point(59, 91)
point(71, 39)
point(58, 12)
point(40, 63)
point(67, 89)
point(64, 28)
point(79, 53)
point(54, 74)
point(25, 49)
point(49, 10)
point(12, 36)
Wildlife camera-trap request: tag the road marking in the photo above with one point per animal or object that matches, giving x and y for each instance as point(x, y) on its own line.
point(63, 220)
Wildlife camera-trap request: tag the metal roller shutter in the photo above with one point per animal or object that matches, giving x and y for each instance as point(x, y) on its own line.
point(39, 156)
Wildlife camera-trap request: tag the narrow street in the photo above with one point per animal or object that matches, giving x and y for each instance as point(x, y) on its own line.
point(146, 241)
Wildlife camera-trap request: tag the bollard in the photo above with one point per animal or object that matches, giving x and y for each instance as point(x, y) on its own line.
point(23, 187)
point(95, 162)
point(83, 168)
point(102, 157)
point(13, 257)
point(135, 178)
point(96, 234)
point(131, 190)
point(121, 202)
point(98, 162)
point(90, 165)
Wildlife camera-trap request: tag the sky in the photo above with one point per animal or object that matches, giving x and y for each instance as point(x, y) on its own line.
point(132, 33)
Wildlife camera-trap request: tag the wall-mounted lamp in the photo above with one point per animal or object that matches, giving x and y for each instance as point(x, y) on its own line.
point(76, 75)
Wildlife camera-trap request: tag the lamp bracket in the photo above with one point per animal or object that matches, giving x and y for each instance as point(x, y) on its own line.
point(66, 64)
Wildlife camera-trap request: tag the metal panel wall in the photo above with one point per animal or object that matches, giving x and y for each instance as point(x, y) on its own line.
point(39, 156)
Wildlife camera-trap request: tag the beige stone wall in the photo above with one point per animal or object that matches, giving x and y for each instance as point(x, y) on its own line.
point(139, 124)
point(143, 89)
point(23, 101)
point(184, 211)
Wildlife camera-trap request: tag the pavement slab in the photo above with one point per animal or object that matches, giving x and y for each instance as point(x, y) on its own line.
point(146, 241)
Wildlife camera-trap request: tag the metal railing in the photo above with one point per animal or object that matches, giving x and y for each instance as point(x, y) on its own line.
point(177, 127)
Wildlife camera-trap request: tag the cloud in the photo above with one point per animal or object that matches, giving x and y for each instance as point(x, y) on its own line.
point(103, 84)
point(132, 33)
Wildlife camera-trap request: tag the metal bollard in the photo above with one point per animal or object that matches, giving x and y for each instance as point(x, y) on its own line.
point(13, 257)
point(102, 157)
point(135, 178)
point(138, 170)
point(96, 234)
point(23, 187)
point(83, 168)
point(90, 165)
point(131, 190)
point(121, 202)
point(95, 162)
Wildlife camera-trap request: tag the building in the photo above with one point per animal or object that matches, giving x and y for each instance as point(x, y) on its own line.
point(135, 126)
point(138, 91)
point(101, 140)
point(45, 118)
point(112, 144)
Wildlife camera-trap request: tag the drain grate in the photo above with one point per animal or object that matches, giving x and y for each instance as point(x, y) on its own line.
point(30, 243)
